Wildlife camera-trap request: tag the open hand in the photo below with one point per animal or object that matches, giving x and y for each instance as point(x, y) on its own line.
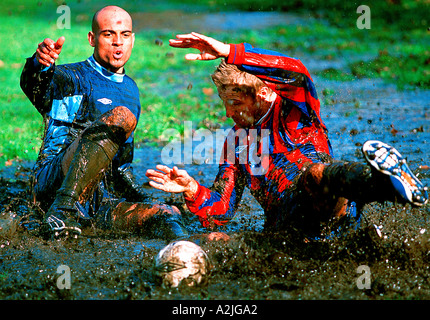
point(48, 51)
point(210, 48)
point(172, 180)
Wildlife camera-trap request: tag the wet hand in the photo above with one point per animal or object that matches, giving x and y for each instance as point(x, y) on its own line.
point(48, 51)
point(210, 48)
point(172, 180)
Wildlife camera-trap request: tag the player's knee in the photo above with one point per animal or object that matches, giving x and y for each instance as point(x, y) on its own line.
point(120, 118)
point(313, 174)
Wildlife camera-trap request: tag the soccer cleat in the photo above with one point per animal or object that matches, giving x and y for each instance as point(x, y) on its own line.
point(389, 161)
point(61, 225)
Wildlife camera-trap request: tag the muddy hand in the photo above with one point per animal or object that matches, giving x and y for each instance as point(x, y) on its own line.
point(48, 51)
point(210, 48)
point(172, 180)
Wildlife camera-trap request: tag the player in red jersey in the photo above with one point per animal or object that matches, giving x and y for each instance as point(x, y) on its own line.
point(280, 150)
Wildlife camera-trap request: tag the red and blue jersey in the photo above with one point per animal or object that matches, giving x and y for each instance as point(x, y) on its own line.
point(267, 158)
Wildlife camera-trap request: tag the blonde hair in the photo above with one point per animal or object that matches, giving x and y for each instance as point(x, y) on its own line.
point(230, 75)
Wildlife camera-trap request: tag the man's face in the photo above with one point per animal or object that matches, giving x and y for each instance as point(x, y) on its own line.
point(113, 39)
point(242, 107)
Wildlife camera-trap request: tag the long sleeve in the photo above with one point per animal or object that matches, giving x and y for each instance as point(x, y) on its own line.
point(287, 76)
point(298, 119)
point(218, 204)
point(297, 134)
point(35, 83)
point(44, 84)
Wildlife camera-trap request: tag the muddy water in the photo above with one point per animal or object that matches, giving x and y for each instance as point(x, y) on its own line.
point(254, 265)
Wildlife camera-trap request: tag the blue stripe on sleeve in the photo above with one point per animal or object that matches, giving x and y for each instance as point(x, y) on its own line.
point(251, 49)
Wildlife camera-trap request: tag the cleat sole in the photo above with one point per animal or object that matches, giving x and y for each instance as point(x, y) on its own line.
point(389, 161)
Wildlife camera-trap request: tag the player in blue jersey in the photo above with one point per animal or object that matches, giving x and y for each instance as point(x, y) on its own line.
point(280, 150)
point(91, 108)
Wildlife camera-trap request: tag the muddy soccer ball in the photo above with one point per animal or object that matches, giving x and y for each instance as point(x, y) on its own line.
point(182, 261)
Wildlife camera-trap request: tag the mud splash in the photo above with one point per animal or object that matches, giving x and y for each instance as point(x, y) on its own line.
point(254, 264)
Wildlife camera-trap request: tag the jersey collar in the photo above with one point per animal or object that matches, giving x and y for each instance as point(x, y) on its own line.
point(265, 115)
point(116, 77)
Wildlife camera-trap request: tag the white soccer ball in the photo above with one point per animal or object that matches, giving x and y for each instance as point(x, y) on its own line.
point(182, 261)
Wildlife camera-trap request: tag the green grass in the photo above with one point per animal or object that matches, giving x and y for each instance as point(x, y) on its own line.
point(399, 29)
point(407, 71)
point(173, 90)
point(398, 15)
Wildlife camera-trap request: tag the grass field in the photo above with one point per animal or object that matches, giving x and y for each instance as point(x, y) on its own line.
point(173, 90)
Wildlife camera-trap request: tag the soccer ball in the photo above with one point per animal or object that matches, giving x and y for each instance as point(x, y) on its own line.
point(182, 261)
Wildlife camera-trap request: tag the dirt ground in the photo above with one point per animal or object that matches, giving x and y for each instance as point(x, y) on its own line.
point(254, 264)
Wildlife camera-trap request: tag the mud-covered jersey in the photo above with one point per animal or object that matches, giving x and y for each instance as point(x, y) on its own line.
point(267, 157)
point(70, 97)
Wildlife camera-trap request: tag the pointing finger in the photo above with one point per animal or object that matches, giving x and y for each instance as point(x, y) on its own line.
point(60, 41)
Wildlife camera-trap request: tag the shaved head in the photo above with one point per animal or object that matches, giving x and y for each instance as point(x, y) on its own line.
point(112, 37)
point(108, 10)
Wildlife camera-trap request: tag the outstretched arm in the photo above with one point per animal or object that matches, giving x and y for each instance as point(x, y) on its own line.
point(37, 74)
point(285, 75)
point(210, 48)
point(214, 206)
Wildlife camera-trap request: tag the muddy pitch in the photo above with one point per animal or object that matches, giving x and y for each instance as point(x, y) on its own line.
point(254, 264)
